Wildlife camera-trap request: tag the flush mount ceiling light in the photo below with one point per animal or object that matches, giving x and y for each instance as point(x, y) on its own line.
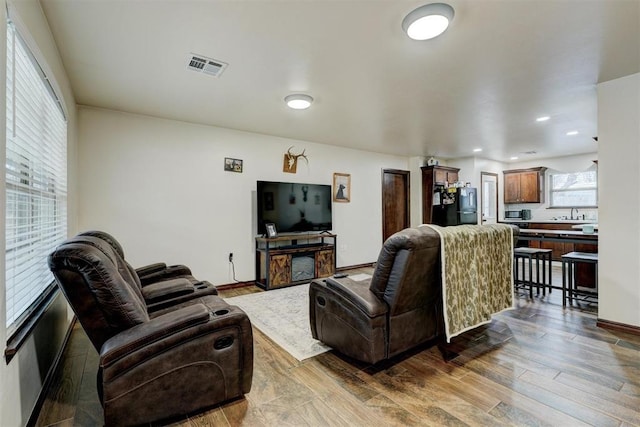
point(298, 101)
point(428, 21)
point(572, 133)
point(477, 150)
point(543, 119)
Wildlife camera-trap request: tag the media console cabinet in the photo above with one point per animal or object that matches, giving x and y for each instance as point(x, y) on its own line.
point(295, 259)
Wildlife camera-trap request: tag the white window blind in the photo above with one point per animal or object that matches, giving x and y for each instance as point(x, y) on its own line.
point(577, 189)
point(36, 179)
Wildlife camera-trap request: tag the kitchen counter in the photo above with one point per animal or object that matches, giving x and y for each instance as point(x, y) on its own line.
point(570, 236)
point(548, 221)
point(579, 226)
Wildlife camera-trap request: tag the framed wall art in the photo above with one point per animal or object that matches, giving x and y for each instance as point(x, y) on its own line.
point(341, 187)
point(232, 165)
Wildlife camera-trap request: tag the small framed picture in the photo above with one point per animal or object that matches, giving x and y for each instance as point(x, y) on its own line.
point(232, 165)
point(342, 187)
point(271, 230)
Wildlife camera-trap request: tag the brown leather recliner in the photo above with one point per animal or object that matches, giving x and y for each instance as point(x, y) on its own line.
point(161, 286)
point(399, 308)
point(153, 366)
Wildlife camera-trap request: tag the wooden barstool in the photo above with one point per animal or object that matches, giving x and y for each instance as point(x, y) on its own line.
point(569, 287)
point(528, 255)
point(545, 255)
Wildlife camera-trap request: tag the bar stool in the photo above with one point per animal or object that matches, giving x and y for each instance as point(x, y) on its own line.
point(545, 256)
point(528, 255)
point(569, 288)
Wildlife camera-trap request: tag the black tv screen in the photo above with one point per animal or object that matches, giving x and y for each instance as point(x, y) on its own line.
point(294, 207)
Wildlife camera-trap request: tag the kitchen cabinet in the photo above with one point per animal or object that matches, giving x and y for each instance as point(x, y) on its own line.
point(557, 248)
point(432, 177)
point(524, 185)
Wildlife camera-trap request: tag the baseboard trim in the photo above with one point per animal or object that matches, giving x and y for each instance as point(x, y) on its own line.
point(37, 408)
point(353, 267)
point(623, 327)
point(236, 285)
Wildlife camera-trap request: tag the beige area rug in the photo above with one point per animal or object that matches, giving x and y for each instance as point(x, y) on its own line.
point(283, 316)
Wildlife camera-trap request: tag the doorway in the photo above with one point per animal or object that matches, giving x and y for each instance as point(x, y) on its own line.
point(395, 201)
point(489, 197)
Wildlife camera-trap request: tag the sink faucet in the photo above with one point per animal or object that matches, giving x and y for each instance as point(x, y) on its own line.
point(572, 209)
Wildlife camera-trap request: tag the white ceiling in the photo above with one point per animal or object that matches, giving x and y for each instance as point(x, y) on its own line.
point(501, 64)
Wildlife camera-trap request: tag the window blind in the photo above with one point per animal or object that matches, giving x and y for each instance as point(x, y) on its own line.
point(36, 179)
point(577, 189)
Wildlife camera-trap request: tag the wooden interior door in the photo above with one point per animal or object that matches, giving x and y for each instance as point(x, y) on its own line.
point(395, 201)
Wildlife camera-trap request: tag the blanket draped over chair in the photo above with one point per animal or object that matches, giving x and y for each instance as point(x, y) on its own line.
point(477, 276)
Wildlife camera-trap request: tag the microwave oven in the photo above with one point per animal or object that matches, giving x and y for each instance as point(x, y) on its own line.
point(512, 214)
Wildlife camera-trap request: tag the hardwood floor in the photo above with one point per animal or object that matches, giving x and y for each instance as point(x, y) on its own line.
point(538, 365)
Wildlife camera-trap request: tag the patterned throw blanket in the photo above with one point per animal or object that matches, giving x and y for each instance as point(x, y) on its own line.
point(477, 276)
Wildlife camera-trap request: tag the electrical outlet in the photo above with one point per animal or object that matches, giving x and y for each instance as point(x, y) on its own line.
point(230, 256)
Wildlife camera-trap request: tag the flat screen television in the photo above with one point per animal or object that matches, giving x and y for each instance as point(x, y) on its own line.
point(294, 207)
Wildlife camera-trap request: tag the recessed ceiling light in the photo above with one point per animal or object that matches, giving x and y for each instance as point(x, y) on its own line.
point(428, 21)
point(514, 158)
point(477, 150)
point(573, 132)
point(543, 119)
point(298, 101)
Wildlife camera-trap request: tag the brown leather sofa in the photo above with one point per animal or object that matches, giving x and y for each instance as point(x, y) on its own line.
point(399, 308)
point(158, 365)
point(160, 285)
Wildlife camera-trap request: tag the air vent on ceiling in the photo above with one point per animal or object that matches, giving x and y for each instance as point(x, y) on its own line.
point(205, 65)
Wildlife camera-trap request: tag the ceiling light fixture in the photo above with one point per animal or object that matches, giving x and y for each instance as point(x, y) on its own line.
point(571, 133)
point(514, 158)
point(543, 119)
point(477, 150)
point(298, 101)
point(428, 21)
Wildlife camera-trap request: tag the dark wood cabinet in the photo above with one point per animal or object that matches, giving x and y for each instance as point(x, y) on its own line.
point(293, 260)
point(557, 248)
point(524, 185)
point(585, 272)
point(433, 176)
point(325, 262)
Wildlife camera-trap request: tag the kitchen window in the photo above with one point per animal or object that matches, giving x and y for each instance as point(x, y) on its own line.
point(35, 182)
point(574, 190)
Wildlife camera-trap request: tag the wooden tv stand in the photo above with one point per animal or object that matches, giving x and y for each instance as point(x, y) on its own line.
point(294, 259)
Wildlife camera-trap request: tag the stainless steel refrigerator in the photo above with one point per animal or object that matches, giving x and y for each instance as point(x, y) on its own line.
point(457, 207)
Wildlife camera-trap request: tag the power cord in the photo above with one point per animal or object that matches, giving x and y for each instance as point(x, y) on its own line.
point(233, 268)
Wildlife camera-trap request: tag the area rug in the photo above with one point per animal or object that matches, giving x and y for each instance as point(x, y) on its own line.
point(283, 316)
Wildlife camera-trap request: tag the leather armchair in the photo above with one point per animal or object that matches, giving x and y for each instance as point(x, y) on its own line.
point(153, 366)
point(399, 308)
point(160, 285)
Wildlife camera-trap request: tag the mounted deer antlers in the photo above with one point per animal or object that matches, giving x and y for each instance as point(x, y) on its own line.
point(290, 164)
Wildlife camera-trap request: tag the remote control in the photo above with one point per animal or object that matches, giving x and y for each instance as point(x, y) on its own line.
point(340, 275)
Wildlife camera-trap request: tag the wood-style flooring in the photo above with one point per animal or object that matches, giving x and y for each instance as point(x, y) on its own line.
point(538, 365)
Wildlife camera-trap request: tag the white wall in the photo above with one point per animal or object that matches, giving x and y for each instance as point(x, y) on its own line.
point(22, 379)
point(159, 187)
point(619, 222)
